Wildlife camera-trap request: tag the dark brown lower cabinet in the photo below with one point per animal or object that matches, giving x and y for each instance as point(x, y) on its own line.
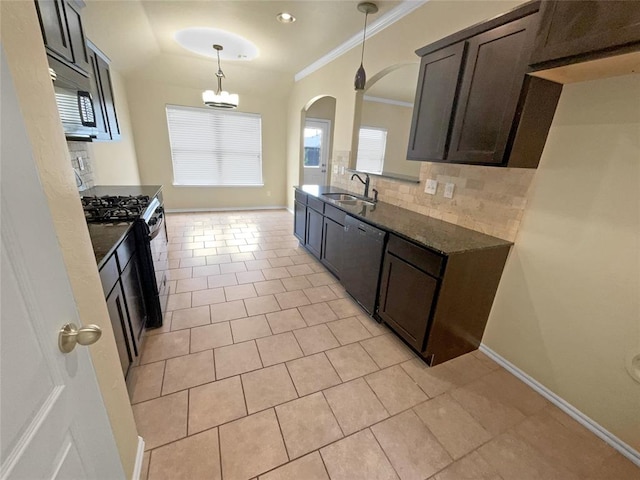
point(439, 304)
point(299, 220)
point(314, 232)
point(136, 309)
point(119, 323)
point(332, 241)
point(406, 297)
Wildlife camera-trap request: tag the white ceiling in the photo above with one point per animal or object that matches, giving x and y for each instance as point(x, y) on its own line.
point(132, 32)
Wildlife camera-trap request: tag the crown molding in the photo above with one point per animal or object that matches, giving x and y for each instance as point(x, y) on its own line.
point(389, 18)
point(389, 101)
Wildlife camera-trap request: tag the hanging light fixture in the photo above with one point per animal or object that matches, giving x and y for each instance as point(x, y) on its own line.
point(361, 76)
point(219, 98)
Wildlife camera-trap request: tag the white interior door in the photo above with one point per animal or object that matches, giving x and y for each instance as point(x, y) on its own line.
point(54, 422)
point(316, 151)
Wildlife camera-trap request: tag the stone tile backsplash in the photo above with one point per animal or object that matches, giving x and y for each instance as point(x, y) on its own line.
point(486, 199)
point(80, 149)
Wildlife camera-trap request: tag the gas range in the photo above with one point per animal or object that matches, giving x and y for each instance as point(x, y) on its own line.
point(114, 208)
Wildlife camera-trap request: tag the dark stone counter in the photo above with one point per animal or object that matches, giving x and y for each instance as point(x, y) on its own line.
point(443, 237)
point(121, 190)
point(105, 237)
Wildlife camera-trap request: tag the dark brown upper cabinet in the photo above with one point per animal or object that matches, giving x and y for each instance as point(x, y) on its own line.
point(102, 94)
point(62, 32)
point(475, 103)
point(578, 30)
point(432, 112)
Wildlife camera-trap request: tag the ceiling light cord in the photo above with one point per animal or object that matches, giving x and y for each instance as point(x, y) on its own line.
point(219, 74)
point(361, 76)
point(364, 37)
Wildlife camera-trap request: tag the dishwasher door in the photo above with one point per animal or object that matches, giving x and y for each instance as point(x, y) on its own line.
point(362, 262)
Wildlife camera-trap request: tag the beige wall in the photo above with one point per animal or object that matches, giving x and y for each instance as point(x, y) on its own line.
point(22, 43)
point(147, 101)
point(396, 120)
point(568, 308)
point(115, 162)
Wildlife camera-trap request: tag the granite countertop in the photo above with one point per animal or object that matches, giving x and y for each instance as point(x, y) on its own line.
point(443, 237)
point(105, 237)
point(121, 190)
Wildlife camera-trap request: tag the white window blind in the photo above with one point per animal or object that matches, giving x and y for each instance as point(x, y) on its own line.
point(214, 147)
point(371, 146)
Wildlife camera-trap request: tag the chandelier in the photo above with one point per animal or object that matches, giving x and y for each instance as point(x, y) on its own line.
point(220, 98)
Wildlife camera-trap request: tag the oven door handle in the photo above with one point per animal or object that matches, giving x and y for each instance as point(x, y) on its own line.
point(157, 227)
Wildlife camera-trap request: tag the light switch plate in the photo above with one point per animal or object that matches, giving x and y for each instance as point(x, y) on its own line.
point(448, 190)
point(80, 163)
point(335, 169)
point(431, 186)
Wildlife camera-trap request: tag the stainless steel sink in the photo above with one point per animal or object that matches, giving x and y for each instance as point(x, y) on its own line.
point(340, 197)
point(356, 202)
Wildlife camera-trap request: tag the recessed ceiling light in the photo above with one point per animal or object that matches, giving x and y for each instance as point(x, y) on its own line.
point(285, 17)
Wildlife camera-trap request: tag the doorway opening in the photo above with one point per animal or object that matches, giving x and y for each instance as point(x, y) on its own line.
point(316, 141)
point(315, 160)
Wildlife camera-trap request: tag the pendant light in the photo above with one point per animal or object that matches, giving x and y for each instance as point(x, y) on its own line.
point(219, 98)
point(361, 76)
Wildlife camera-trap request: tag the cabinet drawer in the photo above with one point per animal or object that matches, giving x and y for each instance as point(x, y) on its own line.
point(301, 197)
point(421, 258)
point(126, 250)
point(334, 214)
point(317, 205)
point(109, 274)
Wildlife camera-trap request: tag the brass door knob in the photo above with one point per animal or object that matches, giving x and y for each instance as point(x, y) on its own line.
point(70, 335)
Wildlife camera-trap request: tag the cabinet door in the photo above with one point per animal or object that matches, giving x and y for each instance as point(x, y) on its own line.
point(494, 73)
point(435, 93)
point(76, 36)
point(103, 102)
point(53, 23)
point(314, 232)
point(332, 242)
point(119, 321)
point(98, 105)
point(106, 89)
point(406, 298)
point(299, 220)
point(134, 299)
point(571, 28)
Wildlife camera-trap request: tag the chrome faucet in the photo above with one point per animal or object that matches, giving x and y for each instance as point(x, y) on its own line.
point(364, 182)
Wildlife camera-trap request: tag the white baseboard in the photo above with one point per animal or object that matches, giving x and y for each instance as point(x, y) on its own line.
point(137, 467)
point(290, 211)
point(223, 209)
point(566, 407)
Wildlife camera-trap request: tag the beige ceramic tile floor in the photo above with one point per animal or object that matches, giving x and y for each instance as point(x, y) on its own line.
point(265, 368)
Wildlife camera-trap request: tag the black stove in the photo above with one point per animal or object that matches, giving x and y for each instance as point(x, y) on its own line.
point(110, 208)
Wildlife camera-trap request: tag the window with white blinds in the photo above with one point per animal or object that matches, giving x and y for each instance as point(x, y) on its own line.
point(371, 146)
point(215, 147)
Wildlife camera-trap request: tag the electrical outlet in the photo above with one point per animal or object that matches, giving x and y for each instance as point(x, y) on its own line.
point(431, 186)
point(448, 190)
point(268, 193)
point(80, 163)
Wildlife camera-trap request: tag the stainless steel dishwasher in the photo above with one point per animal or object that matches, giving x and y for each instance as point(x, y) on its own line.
point(362, 261)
